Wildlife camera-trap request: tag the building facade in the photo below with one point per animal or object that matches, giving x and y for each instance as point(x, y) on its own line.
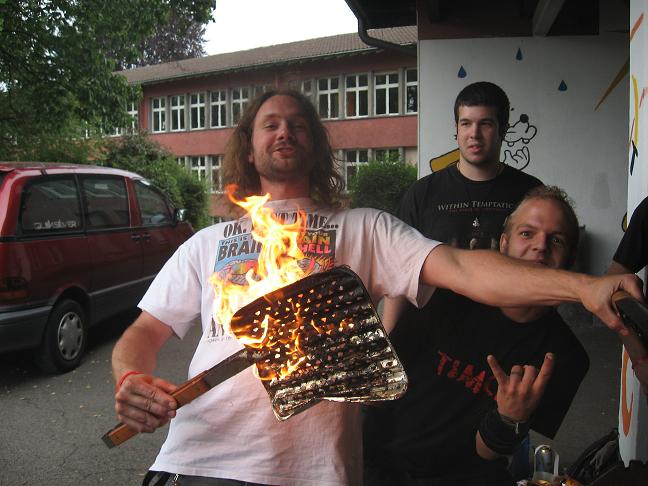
point(367, 98)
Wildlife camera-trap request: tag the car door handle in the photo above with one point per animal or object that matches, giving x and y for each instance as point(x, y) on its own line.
point(146, 236)
point(135, 237)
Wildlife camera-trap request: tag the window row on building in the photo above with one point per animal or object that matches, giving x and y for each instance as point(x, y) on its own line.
point(363, 95)
point(209, 167)
point(197, 111)
point(339, 97)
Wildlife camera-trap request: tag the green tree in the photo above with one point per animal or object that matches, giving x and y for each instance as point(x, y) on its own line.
point(381, 184)
point(57, 63)
point(139, 154)
point(180, 38)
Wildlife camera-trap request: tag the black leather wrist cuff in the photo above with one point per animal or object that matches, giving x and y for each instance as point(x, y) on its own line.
point(502, 434)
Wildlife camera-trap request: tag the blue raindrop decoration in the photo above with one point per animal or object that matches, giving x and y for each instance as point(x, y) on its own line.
point(518, 55)
point(462, 72)
point(563, 86)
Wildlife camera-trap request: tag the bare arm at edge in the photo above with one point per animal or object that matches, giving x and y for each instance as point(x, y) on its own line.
point(494, 279)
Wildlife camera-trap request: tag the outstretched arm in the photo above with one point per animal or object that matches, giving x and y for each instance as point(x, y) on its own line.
point(518, 396)
point(616, 268)
point(494, 279)
point(142, 401)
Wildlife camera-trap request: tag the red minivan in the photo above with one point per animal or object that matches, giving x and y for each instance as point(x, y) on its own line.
point(78, 244)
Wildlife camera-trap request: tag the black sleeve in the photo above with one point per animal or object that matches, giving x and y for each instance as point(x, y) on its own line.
point(569, 371)
point(408, 209)
point(632, 252)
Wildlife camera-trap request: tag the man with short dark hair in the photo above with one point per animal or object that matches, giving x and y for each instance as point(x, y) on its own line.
point(465, 204)
point(229, 436)
point(480, 377)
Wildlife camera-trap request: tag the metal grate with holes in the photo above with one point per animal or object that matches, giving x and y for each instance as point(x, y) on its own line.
point(320, 338)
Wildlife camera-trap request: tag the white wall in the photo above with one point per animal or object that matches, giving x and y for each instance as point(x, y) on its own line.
point(575, 147)
point(633, 408)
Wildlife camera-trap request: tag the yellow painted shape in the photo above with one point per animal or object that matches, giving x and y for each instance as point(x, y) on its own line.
point(443, 161)
point(625, 69)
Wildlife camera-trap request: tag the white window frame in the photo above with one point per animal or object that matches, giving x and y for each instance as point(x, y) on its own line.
point(177, 109)
point(197, 107)
point(220, 105)
point(215, 169)
point(331, 96)
point(356, 92)
point(360, 157)
point(158, 114)
point(240, 98)
point(133, 110)
point(207, 168)
point(387, 87)
point(378, 153)
point(306, 88)
point(198, 165)
point(410, 84)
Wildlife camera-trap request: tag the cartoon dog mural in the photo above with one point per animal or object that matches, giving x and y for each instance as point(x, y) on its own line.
point(521, 132)
point(517, 154)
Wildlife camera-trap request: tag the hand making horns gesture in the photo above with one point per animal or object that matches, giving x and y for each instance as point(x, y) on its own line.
point(519, 392)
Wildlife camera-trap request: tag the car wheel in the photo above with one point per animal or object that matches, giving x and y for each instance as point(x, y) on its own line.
point(65, 338)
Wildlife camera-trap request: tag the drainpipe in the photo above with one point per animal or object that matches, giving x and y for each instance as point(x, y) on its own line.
point(382, 44)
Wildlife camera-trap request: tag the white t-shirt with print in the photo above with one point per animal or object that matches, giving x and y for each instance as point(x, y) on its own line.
point(231, 431)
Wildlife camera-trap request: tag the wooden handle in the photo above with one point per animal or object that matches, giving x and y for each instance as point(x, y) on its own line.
point(118, 434)
point(186, 393)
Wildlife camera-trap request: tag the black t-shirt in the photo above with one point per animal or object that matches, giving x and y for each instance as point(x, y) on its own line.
point(430, 432)
point(632, 252)
point(448, 207)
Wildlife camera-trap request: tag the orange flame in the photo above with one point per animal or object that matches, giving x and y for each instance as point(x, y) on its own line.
point(277, 266)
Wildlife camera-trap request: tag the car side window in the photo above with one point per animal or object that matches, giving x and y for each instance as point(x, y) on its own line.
point(50, 205)
point(153, 205)
point(106, 201)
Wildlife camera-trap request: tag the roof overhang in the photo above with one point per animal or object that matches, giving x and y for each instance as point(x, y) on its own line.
point(439, 19)
point(379, 14)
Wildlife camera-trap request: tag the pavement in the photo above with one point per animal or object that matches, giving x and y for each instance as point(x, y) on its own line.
point(59, 419)
point(594, 411)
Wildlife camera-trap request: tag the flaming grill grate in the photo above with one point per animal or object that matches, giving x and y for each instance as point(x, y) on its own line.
point(326, 324)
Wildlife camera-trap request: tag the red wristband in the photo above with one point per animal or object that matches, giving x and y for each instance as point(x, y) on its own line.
point(639, 362)
point(124, 376)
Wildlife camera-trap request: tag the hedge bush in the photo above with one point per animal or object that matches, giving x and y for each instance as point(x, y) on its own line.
point(137, 153)
point(381, 184)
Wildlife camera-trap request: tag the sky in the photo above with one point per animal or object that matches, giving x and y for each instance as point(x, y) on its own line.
point(246, 24)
